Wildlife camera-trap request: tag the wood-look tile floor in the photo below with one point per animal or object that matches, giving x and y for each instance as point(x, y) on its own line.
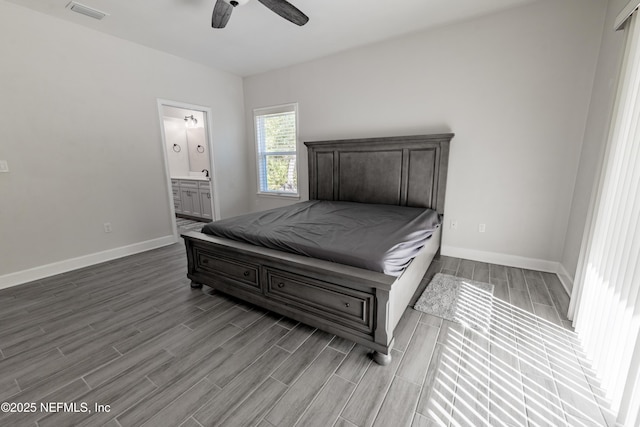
point(185, 224)
point(132, 336)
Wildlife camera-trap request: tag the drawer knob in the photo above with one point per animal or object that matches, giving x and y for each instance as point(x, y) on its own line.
point(205, 261)
point(246, 273)
point(347, 304)
point(281, 285)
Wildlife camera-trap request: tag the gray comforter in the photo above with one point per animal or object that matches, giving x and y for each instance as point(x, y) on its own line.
point(380, 238)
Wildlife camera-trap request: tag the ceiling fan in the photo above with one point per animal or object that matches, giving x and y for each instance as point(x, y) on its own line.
point(223, 8)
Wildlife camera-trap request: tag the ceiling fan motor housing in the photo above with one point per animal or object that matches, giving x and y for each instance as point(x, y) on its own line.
point(235, 3)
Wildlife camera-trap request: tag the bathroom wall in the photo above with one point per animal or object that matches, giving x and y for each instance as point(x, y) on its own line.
point(175, 134)
point(190, 158)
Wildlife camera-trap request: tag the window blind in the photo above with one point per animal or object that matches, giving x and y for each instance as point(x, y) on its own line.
point(606, 297)
point(276, 143)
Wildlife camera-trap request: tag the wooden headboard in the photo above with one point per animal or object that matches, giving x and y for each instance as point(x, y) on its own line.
point(400, 170)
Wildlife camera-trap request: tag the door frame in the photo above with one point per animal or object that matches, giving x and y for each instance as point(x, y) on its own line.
point(208, 129)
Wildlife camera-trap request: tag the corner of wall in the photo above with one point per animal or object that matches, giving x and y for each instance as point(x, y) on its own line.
point(565, 278)
point(593, 140)
point(500, 259)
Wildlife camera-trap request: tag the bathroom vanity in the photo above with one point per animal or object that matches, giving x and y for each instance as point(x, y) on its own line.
point(192, 197)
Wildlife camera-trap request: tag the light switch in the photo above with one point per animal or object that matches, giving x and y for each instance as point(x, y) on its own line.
point(4, 167)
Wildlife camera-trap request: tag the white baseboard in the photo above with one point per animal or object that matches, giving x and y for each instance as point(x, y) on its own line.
point(512, 261)
point(565, 278)
point(500, 259)
point(36, 273)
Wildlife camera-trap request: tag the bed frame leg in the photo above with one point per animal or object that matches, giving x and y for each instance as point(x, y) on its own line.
point(380, 358)
point(195, 285)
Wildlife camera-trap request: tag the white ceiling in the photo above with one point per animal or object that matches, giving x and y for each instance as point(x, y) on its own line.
point(256, 39)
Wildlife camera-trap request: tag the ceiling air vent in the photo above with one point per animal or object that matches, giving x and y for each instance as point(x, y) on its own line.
point(86, 10)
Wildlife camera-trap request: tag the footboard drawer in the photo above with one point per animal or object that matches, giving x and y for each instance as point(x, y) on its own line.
point(240, 272)
point(340, 305)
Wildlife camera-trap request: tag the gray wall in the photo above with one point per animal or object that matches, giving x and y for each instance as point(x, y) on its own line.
point(514, 87)
point(600, 109)
point(79, 127)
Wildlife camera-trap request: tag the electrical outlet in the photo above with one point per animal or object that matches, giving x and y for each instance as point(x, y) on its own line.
point(482, 228)
point(454, 225)
point(107, 227)
point(4, 166)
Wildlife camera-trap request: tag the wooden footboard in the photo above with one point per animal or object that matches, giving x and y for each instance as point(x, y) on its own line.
point(356, 304)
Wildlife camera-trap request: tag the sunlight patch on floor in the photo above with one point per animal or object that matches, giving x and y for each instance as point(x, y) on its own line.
point(501, 365)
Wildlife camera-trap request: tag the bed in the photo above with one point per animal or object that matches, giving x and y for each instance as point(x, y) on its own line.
point(353, 302)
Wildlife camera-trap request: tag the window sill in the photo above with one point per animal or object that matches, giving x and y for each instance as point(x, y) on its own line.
point(279, 195)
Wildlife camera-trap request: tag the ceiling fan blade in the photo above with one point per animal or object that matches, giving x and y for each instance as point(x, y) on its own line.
point(221, 14)
point(286, 10)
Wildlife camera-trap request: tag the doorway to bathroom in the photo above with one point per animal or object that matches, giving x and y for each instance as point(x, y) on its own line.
point(189, 165)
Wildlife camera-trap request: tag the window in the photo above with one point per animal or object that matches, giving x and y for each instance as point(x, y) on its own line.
point(276, 144)
point(605, 303)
